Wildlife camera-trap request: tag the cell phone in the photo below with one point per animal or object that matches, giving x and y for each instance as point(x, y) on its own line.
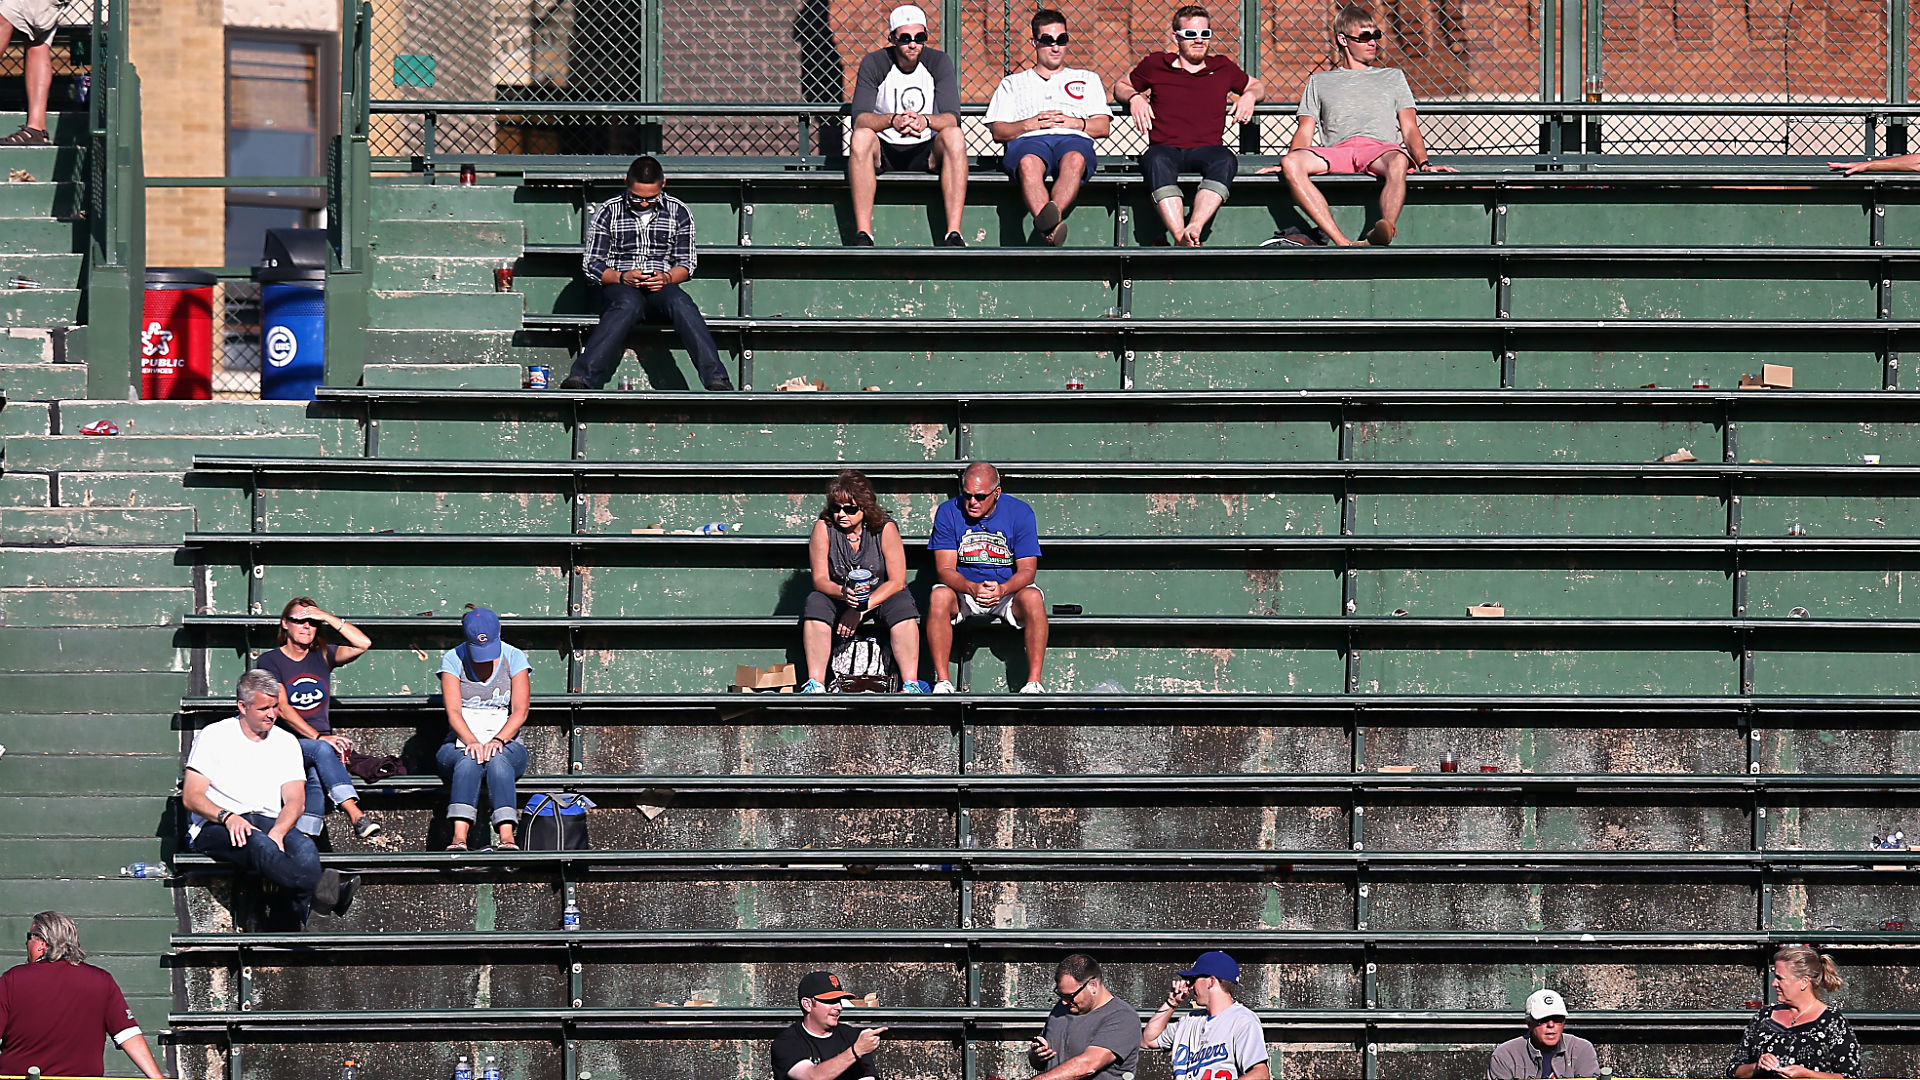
point(1066, 609)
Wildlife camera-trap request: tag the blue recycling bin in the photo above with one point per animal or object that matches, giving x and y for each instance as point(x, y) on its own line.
point(293, 339)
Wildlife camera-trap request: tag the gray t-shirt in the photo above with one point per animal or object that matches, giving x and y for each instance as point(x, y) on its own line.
point(1519, 1059)
point(1220, 1047)
point(1346, 103)
point(1115, 1025)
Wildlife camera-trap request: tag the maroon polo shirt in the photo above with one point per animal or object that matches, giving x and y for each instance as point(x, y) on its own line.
point(58, 1016)
point(1189, 110)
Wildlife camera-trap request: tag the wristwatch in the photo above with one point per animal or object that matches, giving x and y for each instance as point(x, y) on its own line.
point(222, 818)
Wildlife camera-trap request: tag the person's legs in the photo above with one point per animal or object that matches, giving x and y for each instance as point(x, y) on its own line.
point(1391, 168)
point(942, 605)
point(1031, 175)
point(1031, 608)
point(904, 636)
point(950, 160)
point(673, 303)
point(462, 776)
point(325, 774)
point(601, 354)
point(1300, 167)
point(39, 82)
point(1217, 166)
point(816, 638)
point(502, 770)
point(1160, 166)
point(296, 870)
point(863, 168)
point(1072, 173)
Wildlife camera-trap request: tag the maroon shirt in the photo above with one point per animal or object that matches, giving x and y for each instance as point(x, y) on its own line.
point(58, 1016)
point(1189, 111)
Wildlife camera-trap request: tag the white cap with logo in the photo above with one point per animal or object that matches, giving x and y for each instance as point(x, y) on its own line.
point(1546, 1003)
point(906, 15)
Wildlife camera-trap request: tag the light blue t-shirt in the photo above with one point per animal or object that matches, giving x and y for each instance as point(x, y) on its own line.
point(492, 693)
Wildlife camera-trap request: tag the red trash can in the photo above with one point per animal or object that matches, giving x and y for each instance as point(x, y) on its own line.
point(176, 335)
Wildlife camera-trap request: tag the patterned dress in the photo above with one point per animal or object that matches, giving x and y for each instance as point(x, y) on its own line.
point(1824, 1044)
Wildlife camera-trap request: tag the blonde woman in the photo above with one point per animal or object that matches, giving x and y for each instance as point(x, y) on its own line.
point(1802, 1036)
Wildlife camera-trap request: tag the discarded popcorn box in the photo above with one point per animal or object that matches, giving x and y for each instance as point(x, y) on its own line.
point(802, 384)
point(1771, 377)
point(748, 679)
point(1679, 456)
point(1488, 610)
point(1399, 768)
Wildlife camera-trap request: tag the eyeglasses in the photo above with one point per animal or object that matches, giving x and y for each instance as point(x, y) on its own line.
point(1191, 34)
point(981, 497)
point(1364, 36)
point(642, 202)
point(31, 938)
point(1069, 995)
point(847, 508)
point(1049, 40)
point(910, 39)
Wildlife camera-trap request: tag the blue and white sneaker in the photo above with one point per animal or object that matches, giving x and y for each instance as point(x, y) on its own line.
point(813, 687)
point(916, 687)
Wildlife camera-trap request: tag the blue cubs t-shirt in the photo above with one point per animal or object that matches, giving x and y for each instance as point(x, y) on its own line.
point(986, 549)
point(309, 683)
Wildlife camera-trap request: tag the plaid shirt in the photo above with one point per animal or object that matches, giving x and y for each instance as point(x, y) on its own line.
point(616, 239)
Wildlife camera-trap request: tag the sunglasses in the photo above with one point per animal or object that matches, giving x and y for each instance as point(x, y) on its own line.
point(1069, 995)
point(1364, 36)
point(910, 39)
point(642, 202)
point(1049, 40)
point(847, 508)
point(1191, 34)
point(304, 622)
point(982, 497)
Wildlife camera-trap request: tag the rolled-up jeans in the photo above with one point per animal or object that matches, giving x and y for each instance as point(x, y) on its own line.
point(325, 775)
point(296, 870)
point(1162, 166)
point(465, 775)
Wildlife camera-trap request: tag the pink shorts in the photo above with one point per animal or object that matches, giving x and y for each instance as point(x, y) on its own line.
point(1355, 155)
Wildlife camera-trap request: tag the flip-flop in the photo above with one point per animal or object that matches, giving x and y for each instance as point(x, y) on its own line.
point(505, 845)
point(456, 847)
point(1058, 235)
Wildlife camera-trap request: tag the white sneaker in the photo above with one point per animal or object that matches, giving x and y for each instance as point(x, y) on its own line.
point(1033, 688)
point(944, 686)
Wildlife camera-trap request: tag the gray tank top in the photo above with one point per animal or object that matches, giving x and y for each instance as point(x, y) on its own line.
point(842, 558)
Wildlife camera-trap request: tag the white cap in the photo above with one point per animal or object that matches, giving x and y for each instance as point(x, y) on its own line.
point(906, 15)
point(1546, 1003)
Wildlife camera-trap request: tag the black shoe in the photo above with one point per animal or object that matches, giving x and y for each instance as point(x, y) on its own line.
point(862, 239)
point(27, 136)
point(952, 239)
point(1047, 220)
point(326, 891)
point(348, 886)
point(722, 385)
point(575, 382)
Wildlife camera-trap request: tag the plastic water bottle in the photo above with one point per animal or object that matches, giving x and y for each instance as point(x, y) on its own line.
point(144, 870)
point(570, 917)
point(859, 584)
point(463, 1070)
point(717, 528)
point(350, 1070)
point(491, 1070)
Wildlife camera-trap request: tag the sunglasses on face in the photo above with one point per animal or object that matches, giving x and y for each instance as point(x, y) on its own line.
point(304, 622)
point(910, 39)
point(1069, 995)
point(642, 202)
point(981, 497)
point(1363, 36)
point(1049, 40)
point(847, 508)
point(1191, 34)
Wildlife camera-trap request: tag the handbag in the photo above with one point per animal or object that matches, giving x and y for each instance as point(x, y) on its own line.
point(861, 665)
point(555, 821)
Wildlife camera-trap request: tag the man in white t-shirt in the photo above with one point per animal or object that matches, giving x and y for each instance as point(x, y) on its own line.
point(1049, 115)
point(245, 787)
point(1220, 1039)
point(906, 118)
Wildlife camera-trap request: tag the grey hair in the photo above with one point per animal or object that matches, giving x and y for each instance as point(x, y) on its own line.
point(257, 682)
point(61, 936)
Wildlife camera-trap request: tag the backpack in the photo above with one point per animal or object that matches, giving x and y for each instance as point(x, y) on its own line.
point(555, 821)
point(861, 665)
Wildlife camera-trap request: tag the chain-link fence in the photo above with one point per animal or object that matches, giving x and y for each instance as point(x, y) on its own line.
point(601, 53)
point(236, 339)
point(72, 70)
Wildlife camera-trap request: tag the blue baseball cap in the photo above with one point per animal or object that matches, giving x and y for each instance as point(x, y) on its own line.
point(483, 634)
point(1217, 965)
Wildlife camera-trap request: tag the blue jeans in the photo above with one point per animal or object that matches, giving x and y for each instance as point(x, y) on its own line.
point(1162, 166)
point(296, 870)
point(626, 305)
point(464, 775)
point(325, 776)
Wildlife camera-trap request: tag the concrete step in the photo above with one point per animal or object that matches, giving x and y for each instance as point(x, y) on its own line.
point(116, 733)
point(86, 526)
point(417, 201)
point(54, 271)
point(94, 607)
point(95, 567)
point(65, 127)
point(46, 164)
point(43, 382)
point(26, 489)
point(216, 507)
point(40, 199)
point(402, 237)
point(515, 347)
point(142, 453)
point(39, 307)
point(222, 418)
point(440, 377)
point(86, 648)
point(26, 418)
point(40, 235)
point(465, 311)
point(124, 897)
point(116, 774)
point(111, 692)
point(32, 857)
point(26, 345)
point(465, 274)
